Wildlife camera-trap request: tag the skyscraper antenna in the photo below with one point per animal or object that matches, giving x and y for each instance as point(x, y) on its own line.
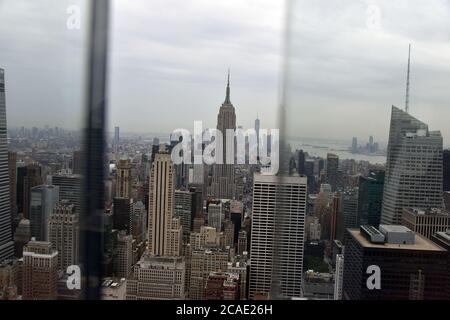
point(227, 96)
point(407, 81)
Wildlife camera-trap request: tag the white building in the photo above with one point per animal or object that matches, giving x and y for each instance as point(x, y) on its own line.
point(277, 236)
point(157, 278)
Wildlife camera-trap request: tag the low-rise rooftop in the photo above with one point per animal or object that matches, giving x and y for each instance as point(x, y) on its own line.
point(420, 243)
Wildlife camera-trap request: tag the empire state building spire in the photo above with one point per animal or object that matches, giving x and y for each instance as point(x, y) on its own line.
point(227, 97)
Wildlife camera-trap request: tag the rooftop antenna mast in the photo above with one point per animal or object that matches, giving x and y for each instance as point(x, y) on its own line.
point(407, 81)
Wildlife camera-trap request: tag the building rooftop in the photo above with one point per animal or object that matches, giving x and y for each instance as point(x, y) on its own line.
point(444, 237)
point(429, 211)
point(421, 243)
point(160, 262)
point(394, 228)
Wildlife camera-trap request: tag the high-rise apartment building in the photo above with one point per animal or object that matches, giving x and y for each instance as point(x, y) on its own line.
point(64, 234)
point(223, 179)
point(40, 271)
point(6, 241)
point(43, 200)
point(413, 169)
point(277, 235)
point(123, 179)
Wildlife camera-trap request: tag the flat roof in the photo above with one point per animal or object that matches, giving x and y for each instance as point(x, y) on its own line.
point(395, 228)
point(279, 179)
point(421, 243)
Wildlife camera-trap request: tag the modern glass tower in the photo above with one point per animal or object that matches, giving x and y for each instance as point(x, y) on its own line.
point(43, 200)
point(6, 241)
point(413, 169)
point(370, 198)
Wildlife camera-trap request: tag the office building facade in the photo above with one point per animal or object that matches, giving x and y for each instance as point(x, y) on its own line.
point(414, 167)
point(277, 235)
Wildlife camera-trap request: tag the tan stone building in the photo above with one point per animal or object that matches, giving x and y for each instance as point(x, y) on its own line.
point(40, 271)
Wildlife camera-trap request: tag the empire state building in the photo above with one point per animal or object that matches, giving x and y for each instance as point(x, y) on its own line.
point(223, 181)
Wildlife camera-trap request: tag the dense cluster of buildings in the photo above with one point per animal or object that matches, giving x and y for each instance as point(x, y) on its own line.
point(314, 230)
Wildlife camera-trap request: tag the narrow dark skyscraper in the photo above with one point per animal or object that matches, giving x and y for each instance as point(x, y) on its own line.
point(332, 170)
point(446, 169)
point(370, 198)
point(6, 241)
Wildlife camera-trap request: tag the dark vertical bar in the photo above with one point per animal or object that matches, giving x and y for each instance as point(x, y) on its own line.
point(94, 137)
point(275, 288)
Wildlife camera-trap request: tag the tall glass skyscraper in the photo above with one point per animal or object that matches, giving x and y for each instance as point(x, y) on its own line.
point(6, 241)
point(413, 169)
point(370, 198)
point(43, 200)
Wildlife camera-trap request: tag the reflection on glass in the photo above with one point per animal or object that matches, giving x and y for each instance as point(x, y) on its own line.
point(42, 76)
point(363, 120)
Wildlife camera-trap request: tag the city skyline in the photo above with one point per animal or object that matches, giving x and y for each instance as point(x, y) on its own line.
point(159, 80)
point(318, 214)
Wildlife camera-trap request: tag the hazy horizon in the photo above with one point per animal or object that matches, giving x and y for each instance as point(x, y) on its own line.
point(346, 64)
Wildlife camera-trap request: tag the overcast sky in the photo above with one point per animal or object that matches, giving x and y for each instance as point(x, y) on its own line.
point(349, 60)
point(169, 59)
